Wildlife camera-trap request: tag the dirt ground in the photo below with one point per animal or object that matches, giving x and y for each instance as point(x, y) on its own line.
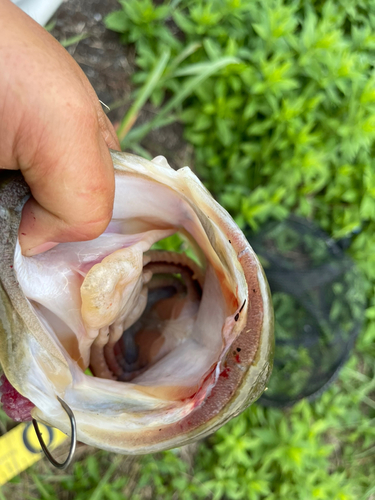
point(109, 66)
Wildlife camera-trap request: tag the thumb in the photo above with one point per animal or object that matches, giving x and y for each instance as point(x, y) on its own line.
point(53, 129)
point(73, 195)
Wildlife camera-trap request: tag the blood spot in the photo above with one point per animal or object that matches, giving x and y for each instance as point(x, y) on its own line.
point(225, 373)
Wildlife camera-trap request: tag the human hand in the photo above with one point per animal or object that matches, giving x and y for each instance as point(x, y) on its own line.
point(53, 129)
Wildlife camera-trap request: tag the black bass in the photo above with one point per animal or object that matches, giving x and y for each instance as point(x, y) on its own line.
point(150, 349)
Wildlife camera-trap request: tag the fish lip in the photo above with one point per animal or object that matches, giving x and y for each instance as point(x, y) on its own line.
point(256, 348)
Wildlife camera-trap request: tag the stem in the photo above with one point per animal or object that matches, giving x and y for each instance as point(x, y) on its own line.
point(97, 493)
point(144, 94)
point(187, 89)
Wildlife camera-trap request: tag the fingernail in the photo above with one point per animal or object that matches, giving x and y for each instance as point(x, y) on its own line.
point(40, 248)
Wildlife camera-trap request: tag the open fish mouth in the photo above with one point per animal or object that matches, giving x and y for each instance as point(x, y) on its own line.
point(151, 349)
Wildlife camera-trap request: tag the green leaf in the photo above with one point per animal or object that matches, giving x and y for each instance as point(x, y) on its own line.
point(142, 97)
point(74, 39)
point(224, 132)
point(117, 21)
point(212, 48)
point(183, 22)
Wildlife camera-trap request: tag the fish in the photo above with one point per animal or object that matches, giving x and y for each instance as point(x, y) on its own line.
point(151, 349)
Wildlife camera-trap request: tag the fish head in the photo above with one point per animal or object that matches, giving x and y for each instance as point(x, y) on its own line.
point(151, 349)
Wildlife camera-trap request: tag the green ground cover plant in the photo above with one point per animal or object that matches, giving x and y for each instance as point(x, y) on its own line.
point(277, 98)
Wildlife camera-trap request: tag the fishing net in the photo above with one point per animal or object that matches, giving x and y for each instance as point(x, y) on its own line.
point(319, 302)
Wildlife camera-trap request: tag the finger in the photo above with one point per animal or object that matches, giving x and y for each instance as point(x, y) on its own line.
point(105, 125)
point(54, 129)
point(108, 132)
point(73, 190)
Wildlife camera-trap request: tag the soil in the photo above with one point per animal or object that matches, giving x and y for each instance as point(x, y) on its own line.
point(109, 65)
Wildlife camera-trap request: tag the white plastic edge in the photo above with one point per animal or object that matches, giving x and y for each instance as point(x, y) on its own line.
point(40, 10)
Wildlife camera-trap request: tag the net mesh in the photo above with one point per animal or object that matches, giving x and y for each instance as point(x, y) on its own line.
point(319, 302)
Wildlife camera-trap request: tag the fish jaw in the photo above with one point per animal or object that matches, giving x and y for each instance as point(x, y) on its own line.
point(140, 417)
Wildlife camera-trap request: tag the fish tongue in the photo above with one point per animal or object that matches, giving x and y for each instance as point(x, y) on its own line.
point(112, 287)
point(113, 298)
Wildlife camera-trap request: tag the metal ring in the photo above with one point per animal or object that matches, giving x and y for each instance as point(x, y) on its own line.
point(73, 441)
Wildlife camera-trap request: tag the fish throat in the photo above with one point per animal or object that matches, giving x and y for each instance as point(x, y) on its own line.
point(173, 284)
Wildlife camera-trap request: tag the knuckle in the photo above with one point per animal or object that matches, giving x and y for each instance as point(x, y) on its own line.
point(91, 229)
